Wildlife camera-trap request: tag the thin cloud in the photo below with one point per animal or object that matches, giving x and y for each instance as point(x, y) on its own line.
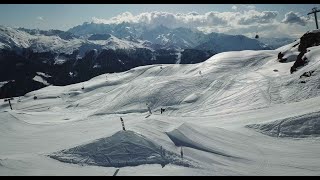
point(40, 18)
point(234, 7)
point(192, 19)
point(245, 22)
point(253, 16)
point(294, 18)
point(171, 20)
point(250, 7)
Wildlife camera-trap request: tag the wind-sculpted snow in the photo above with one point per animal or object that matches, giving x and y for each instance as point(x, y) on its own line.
point(303, 126)
point(125, 148)
point(186, 136)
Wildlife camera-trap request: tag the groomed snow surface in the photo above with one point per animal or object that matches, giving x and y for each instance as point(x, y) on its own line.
point(238, 113)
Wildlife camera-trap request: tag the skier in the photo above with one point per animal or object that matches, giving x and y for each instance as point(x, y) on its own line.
point(149, 108)
point(181, 152)
point(163, 164)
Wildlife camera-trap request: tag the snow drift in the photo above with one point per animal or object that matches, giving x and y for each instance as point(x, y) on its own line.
point(124, 148)
point(303, 126)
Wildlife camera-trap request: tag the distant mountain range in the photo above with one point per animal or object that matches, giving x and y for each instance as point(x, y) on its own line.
point(178, 38)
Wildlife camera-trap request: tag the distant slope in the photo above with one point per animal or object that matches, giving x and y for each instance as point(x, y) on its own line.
point(275, 43)
point(223, 42)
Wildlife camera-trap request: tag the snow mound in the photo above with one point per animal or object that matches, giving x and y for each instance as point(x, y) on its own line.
point(191, 98)
point(186, 135)
point(124, 148)
point(303, 126)
point(41, 80)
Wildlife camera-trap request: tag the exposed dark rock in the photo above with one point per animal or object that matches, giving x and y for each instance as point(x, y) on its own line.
point(99, 37)
point(280, 55)
point(280, 58)
point(307, 74)
point(300, 62)
point(309, 40)
point(19, 88)
point(296, 44)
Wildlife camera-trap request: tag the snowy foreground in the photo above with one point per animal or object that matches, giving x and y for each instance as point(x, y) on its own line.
point(238, 113)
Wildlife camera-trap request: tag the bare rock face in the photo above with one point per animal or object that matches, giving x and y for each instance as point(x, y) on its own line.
point(99, 37)
point(309, 39)
point(280, 57)
point(300, 62)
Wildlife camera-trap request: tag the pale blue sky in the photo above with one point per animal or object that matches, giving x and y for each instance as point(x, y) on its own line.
point(65, 16)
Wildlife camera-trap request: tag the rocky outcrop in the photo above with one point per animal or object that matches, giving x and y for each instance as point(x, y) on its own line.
point(99, 37)
point(19, 87)
point(309, 39)
point(280, 57)
point(300, 62)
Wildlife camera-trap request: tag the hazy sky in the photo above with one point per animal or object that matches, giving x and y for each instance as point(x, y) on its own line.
point(65, 16)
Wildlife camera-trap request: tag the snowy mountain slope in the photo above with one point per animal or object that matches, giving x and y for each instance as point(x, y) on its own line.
point(123, 36)
point(121, 30)
point(208, 109)
point(91, 28)
point(52, 32)
point(179, 37)
point(176, 38)
point(10, 37)
point(275, 43)
point(13, 38)
point(223, 42)
point(306, 125)
point(67, 61)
